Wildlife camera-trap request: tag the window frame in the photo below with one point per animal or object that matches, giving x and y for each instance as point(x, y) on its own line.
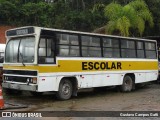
point(111, 47)
point(52, 50)
point(128, 48)
point(69, 45)
point(91, 46)
point(147, 50)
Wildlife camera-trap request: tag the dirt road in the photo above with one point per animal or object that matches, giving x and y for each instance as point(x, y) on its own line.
point(143, 99)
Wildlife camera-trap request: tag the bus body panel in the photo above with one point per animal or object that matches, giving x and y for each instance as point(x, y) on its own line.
point(47, 83)
point(49, 76)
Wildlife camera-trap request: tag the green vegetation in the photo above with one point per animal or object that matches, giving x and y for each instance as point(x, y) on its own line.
point(131, 16)
point(121, 17)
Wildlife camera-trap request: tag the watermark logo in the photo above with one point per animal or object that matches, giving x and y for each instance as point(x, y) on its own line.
point(6, 114)
point(21, 114)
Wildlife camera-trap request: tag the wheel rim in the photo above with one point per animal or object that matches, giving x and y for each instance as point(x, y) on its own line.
point(128, 84)
point(66, 89)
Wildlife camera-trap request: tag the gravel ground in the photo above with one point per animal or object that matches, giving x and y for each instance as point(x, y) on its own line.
point(143, 99)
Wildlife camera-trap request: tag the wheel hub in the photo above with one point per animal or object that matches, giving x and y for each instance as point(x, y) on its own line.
point(66, 89)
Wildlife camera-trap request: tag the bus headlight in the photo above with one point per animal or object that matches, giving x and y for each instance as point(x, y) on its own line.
point(28, 80)
point(5, 78)
point(34, 80)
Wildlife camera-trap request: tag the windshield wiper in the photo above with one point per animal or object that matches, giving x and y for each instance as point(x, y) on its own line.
point(22, 58)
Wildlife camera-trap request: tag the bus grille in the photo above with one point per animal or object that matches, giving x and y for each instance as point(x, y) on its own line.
point(20, 72)
point(16, 79)
point(22, 76)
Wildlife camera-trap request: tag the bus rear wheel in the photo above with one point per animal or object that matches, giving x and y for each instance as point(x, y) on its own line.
point(65, 90)
point(127, 84)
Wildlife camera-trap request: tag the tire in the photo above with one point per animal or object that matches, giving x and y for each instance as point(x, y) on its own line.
point(127, 84)
point(65, 90)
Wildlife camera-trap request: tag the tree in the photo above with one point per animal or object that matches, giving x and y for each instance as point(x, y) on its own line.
point(124, 19)
point(98, 19)
point(143, 13)
point(35, 14)
point(83, 15)
point(7, 10)
point(155, 9)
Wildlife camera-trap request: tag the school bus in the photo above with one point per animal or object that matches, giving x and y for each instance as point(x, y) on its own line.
point(41, 59)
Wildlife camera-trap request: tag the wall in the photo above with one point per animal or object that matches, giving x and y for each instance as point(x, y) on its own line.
point(2, 33)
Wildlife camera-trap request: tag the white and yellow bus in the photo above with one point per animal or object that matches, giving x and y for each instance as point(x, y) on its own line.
point(42, 59)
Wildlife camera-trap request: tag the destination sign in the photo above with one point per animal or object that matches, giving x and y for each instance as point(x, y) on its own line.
point(22, 31)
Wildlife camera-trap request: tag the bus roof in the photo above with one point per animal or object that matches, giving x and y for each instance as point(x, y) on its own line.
point(79, 32)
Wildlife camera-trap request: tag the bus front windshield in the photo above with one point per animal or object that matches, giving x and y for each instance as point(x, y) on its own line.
point(20, 50)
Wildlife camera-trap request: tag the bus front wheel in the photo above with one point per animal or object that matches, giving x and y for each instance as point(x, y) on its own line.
point(65, 90)
point(127, 84)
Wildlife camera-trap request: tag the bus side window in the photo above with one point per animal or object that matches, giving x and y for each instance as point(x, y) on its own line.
point(128, 49)
point(91, 46)
point(111, 48)
point(140, 49)
point(67, 45)
point(46, 51)
point(150, 49)
point(1, 60)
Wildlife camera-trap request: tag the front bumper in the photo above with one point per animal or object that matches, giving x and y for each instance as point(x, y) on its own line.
point(19, 86)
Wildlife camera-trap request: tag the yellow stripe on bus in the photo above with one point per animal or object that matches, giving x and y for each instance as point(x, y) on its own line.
point(90, 65)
